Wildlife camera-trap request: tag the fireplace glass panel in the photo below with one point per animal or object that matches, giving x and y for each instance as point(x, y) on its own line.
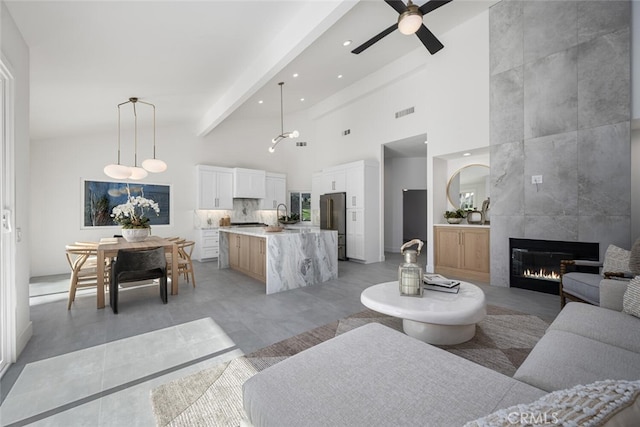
point(535, 264)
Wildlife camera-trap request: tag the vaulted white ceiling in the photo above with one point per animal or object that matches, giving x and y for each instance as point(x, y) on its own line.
point(201, 61)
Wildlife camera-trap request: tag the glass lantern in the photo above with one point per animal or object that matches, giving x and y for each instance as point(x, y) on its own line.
point(410, 272)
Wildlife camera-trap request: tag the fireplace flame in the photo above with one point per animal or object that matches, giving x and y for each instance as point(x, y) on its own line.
point(542, 274)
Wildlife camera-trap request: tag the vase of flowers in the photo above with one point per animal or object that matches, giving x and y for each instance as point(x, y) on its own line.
point(132, 216)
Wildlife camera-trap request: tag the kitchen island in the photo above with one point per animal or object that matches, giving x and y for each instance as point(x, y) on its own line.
point(289, 259)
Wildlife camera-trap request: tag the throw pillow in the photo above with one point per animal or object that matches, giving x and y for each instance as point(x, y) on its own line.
point(631, 299)
point(604, 403)
point(634, 259)
point(616, 260)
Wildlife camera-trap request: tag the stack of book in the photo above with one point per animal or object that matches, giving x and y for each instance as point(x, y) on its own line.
point(436, 282)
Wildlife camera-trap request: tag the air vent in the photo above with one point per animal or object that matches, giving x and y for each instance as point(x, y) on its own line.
point(405, 112)
point(346, 132)
point(301, 144)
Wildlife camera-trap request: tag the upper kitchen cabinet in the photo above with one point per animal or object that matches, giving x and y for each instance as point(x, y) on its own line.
point(334, 180)
point(215, 188)
point(249, 183)
point(316, 189)
point(356, 184)
point(275, 191)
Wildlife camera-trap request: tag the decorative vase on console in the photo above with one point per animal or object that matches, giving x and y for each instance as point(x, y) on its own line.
point(131, 216)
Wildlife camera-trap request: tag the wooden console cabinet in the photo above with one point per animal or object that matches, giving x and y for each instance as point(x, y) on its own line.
point(462, 252)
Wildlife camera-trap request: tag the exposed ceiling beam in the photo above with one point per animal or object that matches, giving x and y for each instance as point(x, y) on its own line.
point(303, 30)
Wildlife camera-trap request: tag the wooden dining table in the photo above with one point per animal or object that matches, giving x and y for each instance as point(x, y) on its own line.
point(108, 250)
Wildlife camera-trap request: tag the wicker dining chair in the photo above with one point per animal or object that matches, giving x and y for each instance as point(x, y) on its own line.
point(82, 260)
point(185, 264)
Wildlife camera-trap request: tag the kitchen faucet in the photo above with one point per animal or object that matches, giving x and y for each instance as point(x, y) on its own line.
point(286, 213)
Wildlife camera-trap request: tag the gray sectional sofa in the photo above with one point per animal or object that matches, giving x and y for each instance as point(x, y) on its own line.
point(376, 376)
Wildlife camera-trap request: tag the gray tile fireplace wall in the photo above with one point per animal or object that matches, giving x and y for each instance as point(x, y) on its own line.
point(560, 108)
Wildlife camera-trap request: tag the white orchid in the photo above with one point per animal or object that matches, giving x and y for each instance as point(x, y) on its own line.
point(132, 213)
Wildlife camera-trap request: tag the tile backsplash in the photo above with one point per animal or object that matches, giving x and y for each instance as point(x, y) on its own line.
point(244, 210)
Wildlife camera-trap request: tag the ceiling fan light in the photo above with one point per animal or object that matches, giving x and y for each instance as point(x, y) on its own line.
point(410, 20)
point(116, 171)
point(154, 165)
point(138, 173)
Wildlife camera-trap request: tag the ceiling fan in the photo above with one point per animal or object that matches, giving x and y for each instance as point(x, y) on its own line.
point(410, 22)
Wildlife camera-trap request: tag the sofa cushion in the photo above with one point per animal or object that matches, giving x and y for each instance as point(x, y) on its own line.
point(585, 286)
point(376, 376)
point(607, 326)
point(562, 359)
point(603, 403)
point(612, 293)
point(631, 299)
point(616, 260)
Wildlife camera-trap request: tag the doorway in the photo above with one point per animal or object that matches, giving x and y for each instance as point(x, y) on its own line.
point(414, 215)
point(405, 167)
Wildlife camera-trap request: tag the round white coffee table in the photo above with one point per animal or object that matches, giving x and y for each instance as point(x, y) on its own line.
point(436, 317)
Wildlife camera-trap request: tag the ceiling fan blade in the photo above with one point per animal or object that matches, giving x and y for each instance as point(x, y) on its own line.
point(398, 5)
point(375, 39)
point(432, 5)
point(429, 40)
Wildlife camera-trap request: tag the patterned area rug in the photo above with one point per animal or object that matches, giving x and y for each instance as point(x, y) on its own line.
point(213, 397)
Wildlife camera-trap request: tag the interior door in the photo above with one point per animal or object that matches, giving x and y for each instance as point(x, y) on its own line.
point(5, 225)
point(7, 247)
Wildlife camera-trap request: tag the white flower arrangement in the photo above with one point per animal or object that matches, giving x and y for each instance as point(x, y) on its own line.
point(132, 213)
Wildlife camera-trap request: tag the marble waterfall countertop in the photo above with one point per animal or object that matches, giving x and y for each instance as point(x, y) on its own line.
point(295, 257)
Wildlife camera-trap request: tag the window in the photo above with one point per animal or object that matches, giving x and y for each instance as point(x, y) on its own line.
point(300, 203)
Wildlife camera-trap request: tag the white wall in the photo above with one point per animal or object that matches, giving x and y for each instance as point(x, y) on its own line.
point(400, 173)
point(15, 51)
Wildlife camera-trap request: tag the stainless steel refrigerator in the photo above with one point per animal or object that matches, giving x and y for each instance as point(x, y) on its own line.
point(333, 216)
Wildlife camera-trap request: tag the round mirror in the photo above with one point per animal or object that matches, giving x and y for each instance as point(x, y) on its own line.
point(469, 187)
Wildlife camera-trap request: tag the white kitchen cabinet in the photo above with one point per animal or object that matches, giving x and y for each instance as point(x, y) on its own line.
point(275, 191)
point(361, 182)
point(355, 234)
point(249, 183)
point(355, 176)
point(215, 188)
point(316, 190)
point(207, 244)
point(334, 180)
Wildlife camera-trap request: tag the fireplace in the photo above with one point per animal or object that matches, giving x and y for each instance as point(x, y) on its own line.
point(535, 264)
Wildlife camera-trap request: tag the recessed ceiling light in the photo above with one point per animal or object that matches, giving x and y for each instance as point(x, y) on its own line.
point(339, 76)
point(301, 99)
point(260, 102)
point(295, 74)
point(346, 43)
point(466, 154)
